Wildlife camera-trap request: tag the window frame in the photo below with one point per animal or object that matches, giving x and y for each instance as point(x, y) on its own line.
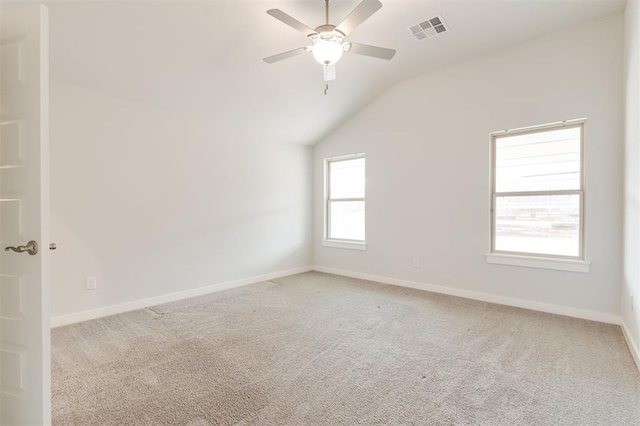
point(557, 261)
point(340, 242)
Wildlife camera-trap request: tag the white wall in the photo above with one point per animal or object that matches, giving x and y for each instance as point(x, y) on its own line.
point(631, 277)
point(427, 147)
point(152, 202)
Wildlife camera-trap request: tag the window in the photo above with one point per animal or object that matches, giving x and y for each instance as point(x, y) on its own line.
point(538, 192)
point(345, 202)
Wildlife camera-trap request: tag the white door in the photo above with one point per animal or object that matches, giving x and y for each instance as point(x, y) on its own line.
point(25, 351)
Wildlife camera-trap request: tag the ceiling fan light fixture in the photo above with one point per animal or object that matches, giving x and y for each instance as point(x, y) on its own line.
point(327, 52)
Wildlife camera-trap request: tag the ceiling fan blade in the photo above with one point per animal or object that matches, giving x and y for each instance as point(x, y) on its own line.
point(361, 13)
point(285, 55)
point(292, 22)
point(373, 51)
point(329, 72)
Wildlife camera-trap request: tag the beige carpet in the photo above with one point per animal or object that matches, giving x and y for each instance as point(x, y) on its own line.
point(320, 349)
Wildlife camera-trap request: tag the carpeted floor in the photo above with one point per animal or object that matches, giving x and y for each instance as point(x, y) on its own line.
point(321, 349)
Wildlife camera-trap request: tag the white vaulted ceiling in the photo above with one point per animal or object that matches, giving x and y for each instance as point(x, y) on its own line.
point(205, 57)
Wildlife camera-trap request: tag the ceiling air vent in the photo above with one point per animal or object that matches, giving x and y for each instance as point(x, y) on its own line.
point(429, 28)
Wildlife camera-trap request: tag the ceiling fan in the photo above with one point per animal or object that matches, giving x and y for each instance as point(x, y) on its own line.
point(327, 40)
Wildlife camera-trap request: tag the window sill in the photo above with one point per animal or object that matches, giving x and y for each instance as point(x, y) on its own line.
point(539, 262)
point(345, 244)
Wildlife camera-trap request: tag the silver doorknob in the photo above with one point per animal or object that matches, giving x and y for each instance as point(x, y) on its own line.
point(31, 248)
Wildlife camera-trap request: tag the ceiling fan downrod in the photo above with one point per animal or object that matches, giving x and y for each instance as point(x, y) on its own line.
point(326, 10)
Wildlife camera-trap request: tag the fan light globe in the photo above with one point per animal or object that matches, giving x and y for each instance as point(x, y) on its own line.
point(327, 52)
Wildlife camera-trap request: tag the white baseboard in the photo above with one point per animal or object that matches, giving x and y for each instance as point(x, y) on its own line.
point(73, 318)
point(484, 297)
point(633, 347)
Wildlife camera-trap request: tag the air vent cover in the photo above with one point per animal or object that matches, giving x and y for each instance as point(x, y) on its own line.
point(429, 28)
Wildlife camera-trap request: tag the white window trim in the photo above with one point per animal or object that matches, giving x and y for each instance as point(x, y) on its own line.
point(539, 262)
point(332, 242)
point(535, 260)
point(351, 245)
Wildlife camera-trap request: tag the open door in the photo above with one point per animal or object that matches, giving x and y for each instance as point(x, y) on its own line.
point(25, 350)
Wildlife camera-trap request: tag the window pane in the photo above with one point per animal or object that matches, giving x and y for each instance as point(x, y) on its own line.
point(346, 178)
point(346, 220)
point(546, 224)
point(541, 161)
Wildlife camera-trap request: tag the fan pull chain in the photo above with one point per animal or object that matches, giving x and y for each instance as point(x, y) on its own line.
point(326, 88)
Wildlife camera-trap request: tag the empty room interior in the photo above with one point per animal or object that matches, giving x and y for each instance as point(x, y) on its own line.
point(322, 212)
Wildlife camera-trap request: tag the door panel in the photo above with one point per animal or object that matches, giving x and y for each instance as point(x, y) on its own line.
point(25, 395)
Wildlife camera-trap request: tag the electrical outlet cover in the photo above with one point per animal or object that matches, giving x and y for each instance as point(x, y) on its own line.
point(90, 283)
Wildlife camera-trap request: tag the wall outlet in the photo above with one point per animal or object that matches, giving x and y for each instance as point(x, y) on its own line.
point(416, 263)
point(90, 283)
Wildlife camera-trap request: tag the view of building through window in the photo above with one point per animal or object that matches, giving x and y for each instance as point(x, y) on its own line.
point(346, 203)
point(538, 194)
